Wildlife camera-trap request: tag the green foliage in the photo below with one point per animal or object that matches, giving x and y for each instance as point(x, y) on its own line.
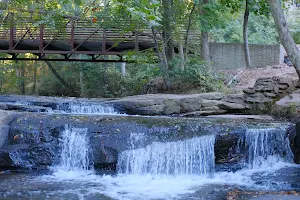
point(258, 7)
point(296, 36)
point(222, 18)
point(195, 77)
point(9, 79)
point(105, 79)
point(261, 30)
point(48, 84)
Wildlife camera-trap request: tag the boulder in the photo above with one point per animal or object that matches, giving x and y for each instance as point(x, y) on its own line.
point(283, 80)
point(190, 104)
point(209, 103)
point(257, 98)
point(171, 106)
point(147, 110)
point(212, 96)
point(166, 104)
point(249, 91)
point(269, 89)
point(204, 113)
point(291, 101)
point(283, 86)
point(269, 94)
point(234, 98)
point(231, 106)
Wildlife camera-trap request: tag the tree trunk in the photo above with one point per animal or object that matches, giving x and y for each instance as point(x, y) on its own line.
point(204, 39)
point(188, 30)
point(284, 34)
point(163, 61)
point(245, 35)
point(123, 69)
point(20, 72)
point(62, 81)
point(81, 82)
point(34, 77)
point(168, 28)
point(181, 56)
point(205, 49)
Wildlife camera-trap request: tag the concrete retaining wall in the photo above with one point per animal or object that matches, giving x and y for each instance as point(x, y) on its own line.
point(231, 55)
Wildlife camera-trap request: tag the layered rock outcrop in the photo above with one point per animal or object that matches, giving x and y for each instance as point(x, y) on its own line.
point(32, 140)
point(269, 89)
point(182, 105)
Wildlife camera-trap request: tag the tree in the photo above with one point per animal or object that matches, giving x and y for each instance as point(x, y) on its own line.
point(72, 92)
point(245, 35)
point(236, 6)
point(167, 21)
point(204, 36)
point(284, 33)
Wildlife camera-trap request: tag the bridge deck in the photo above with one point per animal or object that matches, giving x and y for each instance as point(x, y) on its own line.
point(23, 35)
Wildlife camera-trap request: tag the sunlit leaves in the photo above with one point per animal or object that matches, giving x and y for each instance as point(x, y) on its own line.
point(142, 10)
point(77, 2)
point(258, 7)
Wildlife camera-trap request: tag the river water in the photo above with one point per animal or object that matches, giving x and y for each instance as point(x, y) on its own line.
point(183, 169)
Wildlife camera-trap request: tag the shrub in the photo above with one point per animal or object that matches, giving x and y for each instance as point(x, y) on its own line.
point(195, 77)
point(296, 36)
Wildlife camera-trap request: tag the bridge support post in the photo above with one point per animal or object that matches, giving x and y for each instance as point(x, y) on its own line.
point(123, 69)
point(41, 42)
point(136, 40)
point(72, 36)
point(104, 41)
point(11, 32)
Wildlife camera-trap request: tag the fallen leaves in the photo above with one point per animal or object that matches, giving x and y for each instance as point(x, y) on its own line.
point(16, 137)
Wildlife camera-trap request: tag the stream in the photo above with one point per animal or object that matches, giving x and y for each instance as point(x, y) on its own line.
point(159, 170)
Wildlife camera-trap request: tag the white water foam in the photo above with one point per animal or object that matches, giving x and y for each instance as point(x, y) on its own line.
point(80, 108)
point(175, 169)
point(267, 148)
point(74, 157)
point(191, 156)
point(76, 108)
point(75, 149)
point(18, 102)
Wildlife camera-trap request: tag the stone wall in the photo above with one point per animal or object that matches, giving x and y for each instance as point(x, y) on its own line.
point(231, 55)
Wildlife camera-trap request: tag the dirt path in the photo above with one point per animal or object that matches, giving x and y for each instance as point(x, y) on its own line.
point(248, 77)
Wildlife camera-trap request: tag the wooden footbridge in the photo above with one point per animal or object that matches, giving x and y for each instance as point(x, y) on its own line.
point(21, 35)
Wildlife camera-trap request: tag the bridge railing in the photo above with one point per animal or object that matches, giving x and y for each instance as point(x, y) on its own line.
point(24, 34)
point(20, 34)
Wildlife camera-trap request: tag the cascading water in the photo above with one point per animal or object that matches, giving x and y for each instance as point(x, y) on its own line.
point(78, 108)
point(75, 149)
point(165, 170)
point(266, 147)
point(191, 156)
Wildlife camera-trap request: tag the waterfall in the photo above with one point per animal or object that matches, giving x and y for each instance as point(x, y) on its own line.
point(192, 156)
point(81, 108)
point(266, 147)
point(75, 149)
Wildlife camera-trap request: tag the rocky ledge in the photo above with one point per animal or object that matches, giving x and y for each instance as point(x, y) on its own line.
point(181, 105)
point(32, 140)
point(269, 89)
